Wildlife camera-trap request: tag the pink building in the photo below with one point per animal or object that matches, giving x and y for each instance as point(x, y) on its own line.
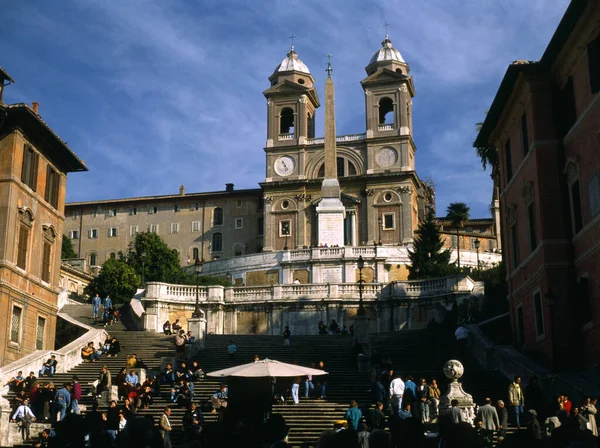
point(544, 124)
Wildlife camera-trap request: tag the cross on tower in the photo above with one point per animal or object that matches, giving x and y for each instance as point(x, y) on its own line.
point(386, 29)
point(329, 69)
point(293, 37)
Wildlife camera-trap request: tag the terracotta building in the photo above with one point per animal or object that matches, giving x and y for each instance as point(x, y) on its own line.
point(476, 234)
point(34, 163)
point(545, 125)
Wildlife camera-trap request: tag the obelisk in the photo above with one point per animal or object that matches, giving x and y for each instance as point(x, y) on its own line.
point(330, 210)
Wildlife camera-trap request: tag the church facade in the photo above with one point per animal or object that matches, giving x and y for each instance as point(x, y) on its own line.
point(382, 195)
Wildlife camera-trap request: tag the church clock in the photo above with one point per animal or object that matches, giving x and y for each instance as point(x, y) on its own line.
point(285, 165)
point(386, 157)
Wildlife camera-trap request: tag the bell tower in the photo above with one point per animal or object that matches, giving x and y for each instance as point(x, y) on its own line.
point(389, 91)
point(291, 103)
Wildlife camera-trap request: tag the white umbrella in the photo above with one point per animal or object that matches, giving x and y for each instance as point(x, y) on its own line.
point(267, 368)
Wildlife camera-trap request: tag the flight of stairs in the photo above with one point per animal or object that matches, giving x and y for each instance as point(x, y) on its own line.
point(411, 353)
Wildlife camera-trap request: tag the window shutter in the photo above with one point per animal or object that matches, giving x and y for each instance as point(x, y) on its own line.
point(34, 168)
point(22, 247)
point(46, 262)
point(116, 231)
point(49, 180)
point(25, 165)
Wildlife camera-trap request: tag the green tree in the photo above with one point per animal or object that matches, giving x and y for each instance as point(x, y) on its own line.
point(428, 255)
point(153, 260)
point(458, 213)
point(487, 154)
point(67, 250)
point(117, 279)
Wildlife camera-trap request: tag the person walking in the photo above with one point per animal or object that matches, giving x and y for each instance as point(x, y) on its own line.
point(396, 393)
point(308, 385)
point(517, 400)
point(287, 334)
point(63, 400)
point(75, 395)
point(489, 417)
point(96, 301)
point(353, 415)
point(165, 427)
point(503, 420)
point(434, 399)
point(108, 302)
point(231, 349)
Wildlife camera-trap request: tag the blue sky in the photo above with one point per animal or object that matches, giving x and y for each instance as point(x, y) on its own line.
point(157, 93)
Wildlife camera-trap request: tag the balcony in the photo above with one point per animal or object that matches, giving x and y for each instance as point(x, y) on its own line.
point(283, 137)
point(385, 127)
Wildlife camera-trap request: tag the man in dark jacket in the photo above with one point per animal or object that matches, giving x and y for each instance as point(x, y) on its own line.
point(503, 419)
point(376, 417)
point(534, 429)
point(192, 422)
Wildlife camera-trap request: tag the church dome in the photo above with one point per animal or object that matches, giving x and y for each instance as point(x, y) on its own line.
point(292, 63)
point(386, 53)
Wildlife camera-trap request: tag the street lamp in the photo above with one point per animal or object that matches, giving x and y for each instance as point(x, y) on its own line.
point(197, 269)
point(477, 243)
point(380, 225)
point(360, 264)
point(143, 254)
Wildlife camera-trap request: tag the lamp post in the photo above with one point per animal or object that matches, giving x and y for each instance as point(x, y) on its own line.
point(380, 225)
point(197, 269)
point(477, 243)
point(360, 264)
point(143, 254)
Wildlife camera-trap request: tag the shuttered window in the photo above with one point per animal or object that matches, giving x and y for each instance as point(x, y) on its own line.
point(29, 168)
point(22, 247)
point(46, 262)
point(52, 187)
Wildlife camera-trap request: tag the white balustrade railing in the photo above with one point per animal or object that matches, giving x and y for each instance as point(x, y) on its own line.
point(364, 251)
point(240, 294)
point(286, 136)
point(338, 139)
point(386, 127)
point(302, 254)
point(330, 252)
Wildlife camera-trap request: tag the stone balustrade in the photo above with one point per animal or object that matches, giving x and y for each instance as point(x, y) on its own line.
point(292, 292)
point(338, 139)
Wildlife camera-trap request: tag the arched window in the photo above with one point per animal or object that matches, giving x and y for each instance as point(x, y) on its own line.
point(195, 254)
point(112, 255)
point(217, 242)
point(386, 111)
point(286, 121)
point(92, 259)
point(344, 168)
point(218, 217)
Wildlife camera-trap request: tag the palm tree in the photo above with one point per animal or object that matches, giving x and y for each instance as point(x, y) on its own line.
point(458, 213)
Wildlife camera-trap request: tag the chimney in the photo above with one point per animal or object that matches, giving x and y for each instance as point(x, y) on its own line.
point(182, 191)
point(35, 106)
point(228, 188)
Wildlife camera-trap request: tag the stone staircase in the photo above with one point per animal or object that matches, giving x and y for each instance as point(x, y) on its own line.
point(411, 352)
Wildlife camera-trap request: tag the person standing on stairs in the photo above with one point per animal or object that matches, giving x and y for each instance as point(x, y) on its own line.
point(397, 387)
point(287, 334)
point(296, 390)
point(63, 400)
point(112, 421)
point(231, 349)
point(322, 381)
point(516, 399)
point(75, 395)
point(104, 381)
point(353, 415)
point(107, 302)
point(96, 301)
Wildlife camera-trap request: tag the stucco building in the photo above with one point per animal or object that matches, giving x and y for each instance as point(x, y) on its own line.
point(34, 163)
point(545, 125)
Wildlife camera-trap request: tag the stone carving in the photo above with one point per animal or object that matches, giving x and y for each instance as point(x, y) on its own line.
point(369, 192)
point(26, 215)
point(511, 214)
point(303, 99)
point(453, 370)
point(528, 192)
point(49, 232)
point(403, 88)
point(404, 190)
point(303, 197)
point(268, 199)
point(367, 92)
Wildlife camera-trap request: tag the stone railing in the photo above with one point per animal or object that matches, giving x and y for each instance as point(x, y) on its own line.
point(67, 357)
point(431, 287)
point(347, 252)
point(510, 362)
point(243, 294)
point(338, 139)
point(386, 127)
point(286, 136)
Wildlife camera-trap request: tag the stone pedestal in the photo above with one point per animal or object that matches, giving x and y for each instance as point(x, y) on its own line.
point(197, 326)
point(5, 425)
point(453, 370)
point(331, 213)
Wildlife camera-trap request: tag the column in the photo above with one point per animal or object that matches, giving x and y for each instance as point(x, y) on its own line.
point(353, 230)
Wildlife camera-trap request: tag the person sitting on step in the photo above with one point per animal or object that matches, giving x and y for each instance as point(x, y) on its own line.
point(219, 399)
point(17, 382)
point(167, 328)
point(115, 347)
point(49, 366)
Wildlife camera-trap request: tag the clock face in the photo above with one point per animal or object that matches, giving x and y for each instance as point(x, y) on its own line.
point(386, 157)
point(285, 165)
